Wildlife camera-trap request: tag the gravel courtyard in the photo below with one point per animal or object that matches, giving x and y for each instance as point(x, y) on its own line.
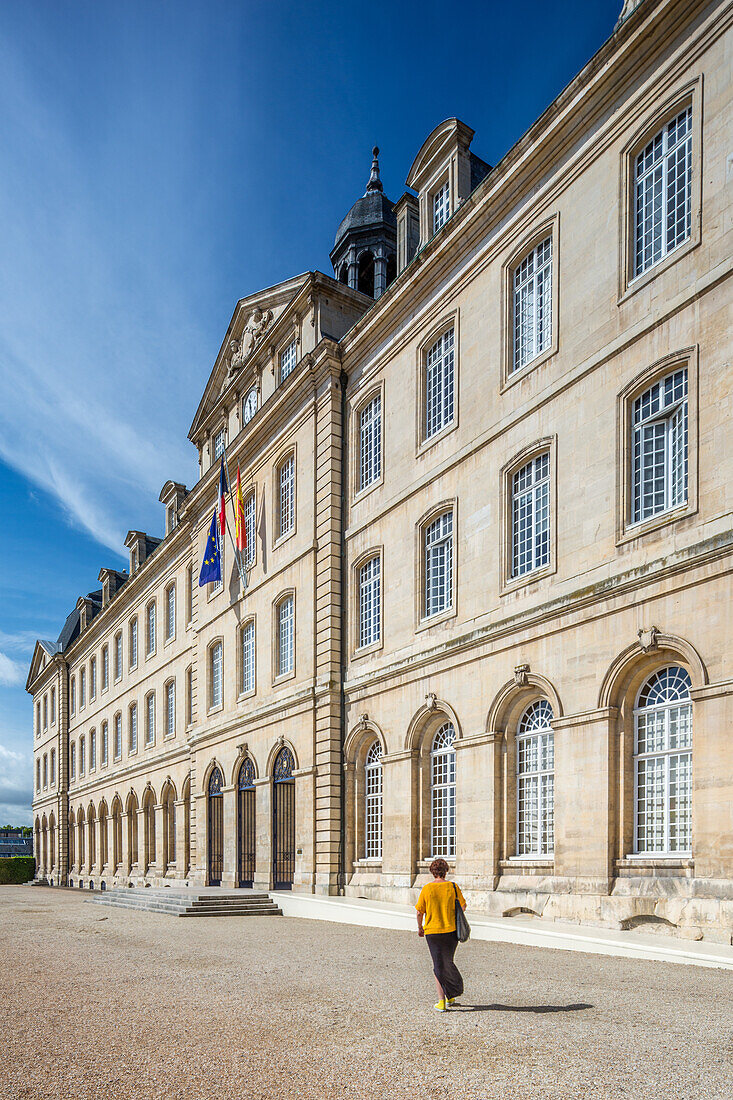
point(114, 1004)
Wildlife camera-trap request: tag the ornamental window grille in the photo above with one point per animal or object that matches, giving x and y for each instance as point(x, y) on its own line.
point(105, 668)
point(246, 775)
point(284, 766)
point(660, 447)
point(93, 679)
point(440, 384)
point(663, 764)
point(72, 696)
point(72, 761)
point(438, 540)
point(531, 516)
point(370, 602)
point(92, 750)
point(441, 206)
point(104, 746)
point(118, 736)
point(170, 708)
point(286, 510)
point(663, 192)
point(132, 742)
point(216, 662)
point(82, 755)
point(150, 631)
point(118, 656)
point(285, 639)
point(150, 718)
point(220, 443)
point(248, 657)
point(535, 752)
point(53, 706)
point(287, 361)
point(53, 767)
point(370, 442)
point(170, 612)
point(83, 687)
point(133, 644)
point(532, 305)
point(443, 792)
point(373, 808)
point(249, 527)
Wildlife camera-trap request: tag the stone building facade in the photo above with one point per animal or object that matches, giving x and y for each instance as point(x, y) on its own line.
point(487, 598)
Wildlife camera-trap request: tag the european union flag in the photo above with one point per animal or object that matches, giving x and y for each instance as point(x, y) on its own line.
point(211, 566)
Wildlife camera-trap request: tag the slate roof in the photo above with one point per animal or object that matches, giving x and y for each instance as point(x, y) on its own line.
point(370, 210)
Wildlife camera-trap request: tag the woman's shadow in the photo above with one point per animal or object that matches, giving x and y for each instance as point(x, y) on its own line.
point(526, 1008)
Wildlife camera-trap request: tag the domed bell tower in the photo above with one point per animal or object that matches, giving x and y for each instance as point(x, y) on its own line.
point(364, 255)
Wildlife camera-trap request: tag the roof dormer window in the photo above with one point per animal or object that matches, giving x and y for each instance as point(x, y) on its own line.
point(441, 206)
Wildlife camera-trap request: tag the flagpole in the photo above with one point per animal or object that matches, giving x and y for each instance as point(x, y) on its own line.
point(237, 555)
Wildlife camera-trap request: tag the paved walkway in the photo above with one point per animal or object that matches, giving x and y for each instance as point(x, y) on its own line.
point(117, 1005)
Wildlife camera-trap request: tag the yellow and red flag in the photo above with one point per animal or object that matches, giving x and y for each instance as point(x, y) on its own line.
point(240, 525)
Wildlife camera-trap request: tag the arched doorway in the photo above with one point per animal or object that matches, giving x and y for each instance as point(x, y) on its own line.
point(92, 828)
point(149, 840)
point(283, 821)
point(116, 834)
point(216, 828)
point(246, 824)
point(186, 825)
point(52, 844)
point(44, 847)
point(169, 827)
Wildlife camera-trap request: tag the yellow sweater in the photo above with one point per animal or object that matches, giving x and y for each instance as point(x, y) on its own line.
point(438, 902)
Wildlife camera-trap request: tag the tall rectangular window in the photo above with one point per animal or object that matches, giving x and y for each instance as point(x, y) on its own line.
point(104, 746)
point(285, 641)
point(531, 516)
point(170, 709)
point(533, 305)
point(45, 712)
point(72, 763)
point(659, 447)
point(220, 443)
point(133, 644)
point(118, 736)
point(439, 565)
point(248, 657)
point(53, 706)
point(441, 207)
point(72, 696)
point(118, 656)
point(93, 678)
point(132, 740)
point(170, 612)
point(249, 527)
point(370, 602)
point(150, 637)
point(216, 675)
point(287, 361)
point(190, 580)
point(45, 770)
point(82, 687)
point(439, 384)
point(370, 442)
point(287, 496)
point(53, 767)
point(150, 719)
point(38, 716)
point(92, 749)
point(38, 770)
point(663, 192)
point(189, 696)
point(82, 756)
point(105, 668)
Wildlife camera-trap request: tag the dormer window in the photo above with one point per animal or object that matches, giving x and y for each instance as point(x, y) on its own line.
point(134, 561)
point(220, 442)
point(171, 518)
point(441, 206)
point(287, 360)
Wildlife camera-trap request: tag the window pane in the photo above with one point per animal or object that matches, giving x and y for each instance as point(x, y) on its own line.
point(439, 565)
point(285, 662)
point(662, 728)
point(533, 304)
point(287, 495)
point(439, 384)
point(248, 657)
point(217, 675)
point(531, 516)
point(370, 443)
point(663, 192)
point(287, 361)
point(660, 447)
point(370, 602)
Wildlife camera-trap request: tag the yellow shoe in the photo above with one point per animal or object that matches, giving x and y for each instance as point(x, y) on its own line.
point(440, 1006)
point(450, 1000)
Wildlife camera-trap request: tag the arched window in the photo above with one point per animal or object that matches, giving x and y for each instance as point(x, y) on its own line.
point(365, 278)
point(443, 792)
point(373, 796)
point(149, 806)
point(169, 828)
point(283, 820)
point(663, 192)
point(216, 827)
point(439, 384)
point(246, 822)
point(535, 781)
point(663, 764)
point(659, 448)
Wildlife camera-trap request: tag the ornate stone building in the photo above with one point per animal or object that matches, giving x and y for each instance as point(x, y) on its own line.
point(487, 473)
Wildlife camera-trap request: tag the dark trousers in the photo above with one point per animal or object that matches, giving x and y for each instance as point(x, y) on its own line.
point(442, 949)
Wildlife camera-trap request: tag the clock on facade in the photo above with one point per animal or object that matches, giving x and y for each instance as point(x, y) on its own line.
point(249, 406)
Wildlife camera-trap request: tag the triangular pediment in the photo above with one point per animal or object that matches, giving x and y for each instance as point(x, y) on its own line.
point(43, 652)
point(246, 335)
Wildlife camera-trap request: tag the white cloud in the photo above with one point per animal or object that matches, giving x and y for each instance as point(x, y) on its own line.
point(11, 672)
point(16, 787)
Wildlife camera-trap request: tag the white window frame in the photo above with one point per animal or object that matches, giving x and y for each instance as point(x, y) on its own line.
point(285, 634)
point(170, 611)
point(373, 801)
point(119, 656)
point(369, 596)
point(439, 385)
point(662, 759)
point(665, 425)
point(250, 526)
point(105, 667)
point(104, 746)
point(286, 497)
point(216, 675)
point(149, 719)
point(53, 706)
point(531, 519)
point(92, 679)
point(72, 696)
point(443, 792)
point(219, 445)
point(93, 750)
point(440, 206)
point(532, 310)
point(82, 688)
point(132, 730)
point(170, 708)
point(247, 658)
point(134, 640)
point(118, 737)
point(288, 360)
point(438, 541)
point(151, 629)
point(657, 168)
point(52, 766)
point(370, 442)
point(535, 782)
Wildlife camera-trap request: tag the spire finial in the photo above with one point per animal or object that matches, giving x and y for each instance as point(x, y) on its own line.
point(375, 184)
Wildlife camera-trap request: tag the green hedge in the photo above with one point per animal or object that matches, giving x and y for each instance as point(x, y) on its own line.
point(16, 869)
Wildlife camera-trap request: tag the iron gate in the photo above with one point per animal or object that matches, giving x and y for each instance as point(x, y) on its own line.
point(216, 828)
point(283, 821)
point(246, 824)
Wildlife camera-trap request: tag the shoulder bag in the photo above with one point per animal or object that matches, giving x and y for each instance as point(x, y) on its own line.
point(463, 928)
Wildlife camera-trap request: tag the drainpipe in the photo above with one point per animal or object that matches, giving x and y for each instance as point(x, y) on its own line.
point(344, 640)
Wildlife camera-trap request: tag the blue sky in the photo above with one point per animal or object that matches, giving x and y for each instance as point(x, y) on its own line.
point(161, 160)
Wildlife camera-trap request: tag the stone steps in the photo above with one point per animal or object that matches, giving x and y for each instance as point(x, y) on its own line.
point(187, 903)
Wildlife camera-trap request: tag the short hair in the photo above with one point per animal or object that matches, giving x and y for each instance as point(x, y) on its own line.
point(439, 868)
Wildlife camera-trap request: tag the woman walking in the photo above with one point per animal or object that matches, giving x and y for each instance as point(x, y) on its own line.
point(437, 904)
